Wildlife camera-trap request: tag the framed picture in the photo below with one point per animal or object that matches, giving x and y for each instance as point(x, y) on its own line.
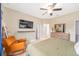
point(24, 24)
point(59, 27)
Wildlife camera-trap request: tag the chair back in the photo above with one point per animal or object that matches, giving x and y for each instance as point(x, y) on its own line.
point(9, 41)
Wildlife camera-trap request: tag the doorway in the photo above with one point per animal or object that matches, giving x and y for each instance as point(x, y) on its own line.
point(77, 31)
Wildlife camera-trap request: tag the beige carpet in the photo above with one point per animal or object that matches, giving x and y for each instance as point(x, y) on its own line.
point(52, 47)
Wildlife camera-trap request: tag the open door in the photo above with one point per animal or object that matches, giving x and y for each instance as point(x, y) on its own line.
point(0, 33)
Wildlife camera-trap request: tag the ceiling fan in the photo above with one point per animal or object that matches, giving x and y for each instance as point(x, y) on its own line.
point(50, 9)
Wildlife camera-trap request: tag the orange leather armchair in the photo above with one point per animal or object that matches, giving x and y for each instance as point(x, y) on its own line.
point(13, 46)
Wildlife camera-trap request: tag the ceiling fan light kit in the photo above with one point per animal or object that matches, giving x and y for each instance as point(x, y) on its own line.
point(51, 14)
point(50, 11)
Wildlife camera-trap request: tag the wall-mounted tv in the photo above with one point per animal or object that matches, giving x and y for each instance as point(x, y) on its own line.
point(25, 24)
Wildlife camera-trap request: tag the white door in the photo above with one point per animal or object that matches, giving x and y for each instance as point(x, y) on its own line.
point(37, 30)
point(42, 31)
point(46, 30)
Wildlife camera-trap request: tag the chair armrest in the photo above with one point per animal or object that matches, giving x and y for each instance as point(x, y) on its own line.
point(23, 40)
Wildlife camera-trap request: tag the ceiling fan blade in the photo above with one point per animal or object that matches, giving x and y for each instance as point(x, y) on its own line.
point(57, 9)
point(54, 4)
point(43, 9)
point(44, 13)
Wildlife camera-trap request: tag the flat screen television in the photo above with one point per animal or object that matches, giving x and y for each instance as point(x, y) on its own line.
point(25, 24)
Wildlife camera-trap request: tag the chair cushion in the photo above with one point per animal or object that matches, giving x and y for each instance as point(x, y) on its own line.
point(17, 46)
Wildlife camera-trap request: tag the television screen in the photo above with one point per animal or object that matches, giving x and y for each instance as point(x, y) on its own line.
point(25, 24)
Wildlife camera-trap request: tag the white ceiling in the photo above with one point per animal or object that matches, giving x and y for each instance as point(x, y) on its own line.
point(34, 9)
